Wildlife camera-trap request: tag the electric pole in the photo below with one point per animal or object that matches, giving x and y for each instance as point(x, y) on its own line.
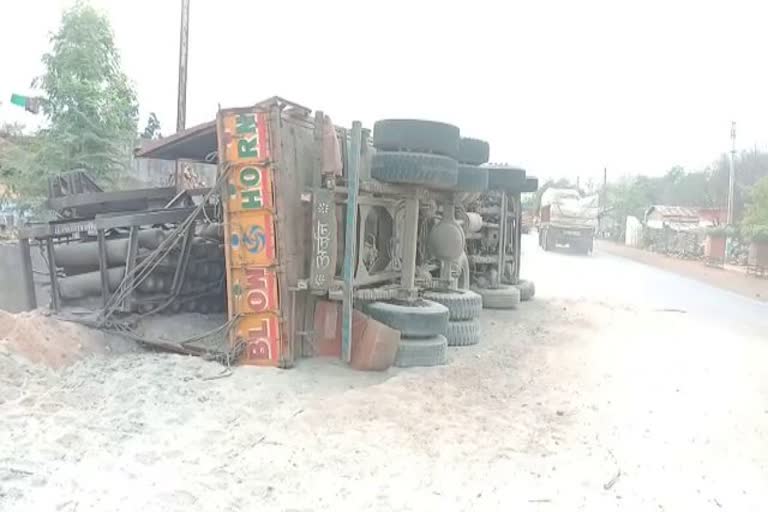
point(605, 187)
point(731, 176)
point(181, 107)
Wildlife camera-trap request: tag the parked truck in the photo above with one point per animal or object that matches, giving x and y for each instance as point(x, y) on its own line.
point(567, 218)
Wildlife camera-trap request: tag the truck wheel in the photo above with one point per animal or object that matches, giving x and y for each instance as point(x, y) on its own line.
point(473, 151)
point(505, 178)
point(414, 169)
point(549, 242)
point(461, 304)
point(463, 333)
point(471, 178)
point(527, 289)
point(420, 319)
point(424, 352)
point(503, 297)
point(417, 136)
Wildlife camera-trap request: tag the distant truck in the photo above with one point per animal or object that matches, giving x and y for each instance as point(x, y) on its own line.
point(566, 218)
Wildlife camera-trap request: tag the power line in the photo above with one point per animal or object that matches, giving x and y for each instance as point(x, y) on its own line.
point(731, 175)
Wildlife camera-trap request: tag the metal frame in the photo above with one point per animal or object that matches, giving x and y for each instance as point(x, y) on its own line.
point(503, 266)
point(48, 233)
point(350, 261)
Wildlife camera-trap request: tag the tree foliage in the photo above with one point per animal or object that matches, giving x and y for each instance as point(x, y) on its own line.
point(152, 129)
point(755, 224)
point(707, 188)
point(89, 104)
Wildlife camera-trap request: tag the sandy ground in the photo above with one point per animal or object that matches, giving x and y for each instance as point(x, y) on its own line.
point(569, 403)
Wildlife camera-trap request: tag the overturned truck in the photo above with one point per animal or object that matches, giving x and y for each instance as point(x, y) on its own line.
point(311, 236)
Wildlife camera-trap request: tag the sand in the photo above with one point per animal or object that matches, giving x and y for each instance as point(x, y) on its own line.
point(546, 412)
point(579, 403)
point(40, 338)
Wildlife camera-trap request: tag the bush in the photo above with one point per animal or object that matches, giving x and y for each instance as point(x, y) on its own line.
point(756, 232)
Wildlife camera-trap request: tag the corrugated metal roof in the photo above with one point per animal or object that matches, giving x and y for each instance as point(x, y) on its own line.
point(195, 143)
point(674, 211)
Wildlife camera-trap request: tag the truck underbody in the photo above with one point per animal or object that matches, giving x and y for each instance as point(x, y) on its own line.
point(303, 214)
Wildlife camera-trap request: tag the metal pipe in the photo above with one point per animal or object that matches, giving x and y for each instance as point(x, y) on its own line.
point(89, 284)
point(502, 234)
point(30, 299)
point(410, 236)
point(518, 205)
point(212, 231)
point(85, 255)
point(55, 292)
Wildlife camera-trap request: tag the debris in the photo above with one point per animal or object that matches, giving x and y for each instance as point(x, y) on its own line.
point(21, 472)
point(610, 483)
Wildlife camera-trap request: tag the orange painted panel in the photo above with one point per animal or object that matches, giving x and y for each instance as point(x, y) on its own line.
point(245, 137)
point(254, 290)
point(249, 188)
point(249, 226)
point(261, 335)
point(251, 239)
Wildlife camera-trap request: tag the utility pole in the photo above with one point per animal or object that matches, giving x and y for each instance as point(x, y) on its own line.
point(181, 107)
point(731, 175)
point(605, 187)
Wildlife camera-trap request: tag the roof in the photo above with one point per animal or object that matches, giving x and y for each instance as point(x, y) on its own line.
point(195, 143)
point(678, 212)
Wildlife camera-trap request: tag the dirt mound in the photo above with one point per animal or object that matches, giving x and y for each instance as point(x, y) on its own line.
point(42, 339)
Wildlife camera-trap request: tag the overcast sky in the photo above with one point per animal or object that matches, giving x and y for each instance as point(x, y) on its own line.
point(563, 88)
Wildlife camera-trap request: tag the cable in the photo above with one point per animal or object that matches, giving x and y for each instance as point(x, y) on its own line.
point(143, 270)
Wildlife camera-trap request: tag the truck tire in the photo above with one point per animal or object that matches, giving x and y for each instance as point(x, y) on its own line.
point(473, 151)
point(416, 135)
point(471, 178)
point(527, 289)
point(503, 297)
point(505, 178)
point(414, 169)
point(420, 319)
point(580, 246)
point(424, 352)
point(461, 304)
point(463, 333)
point(549, 241)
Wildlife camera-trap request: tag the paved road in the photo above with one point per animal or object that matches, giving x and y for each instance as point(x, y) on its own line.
point(612, 279)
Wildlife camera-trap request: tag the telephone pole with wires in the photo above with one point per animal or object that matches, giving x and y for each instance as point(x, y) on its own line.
point(731, 176)
point(181, 106)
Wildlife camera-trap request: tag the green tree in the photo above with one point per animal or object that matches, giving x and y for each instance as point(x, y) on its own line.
point(755, 224)
point(89, 104)
point(152, 129)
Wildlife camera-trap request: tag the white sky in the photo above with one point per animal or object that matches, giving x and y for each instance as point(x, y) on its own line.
point(562, 87)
